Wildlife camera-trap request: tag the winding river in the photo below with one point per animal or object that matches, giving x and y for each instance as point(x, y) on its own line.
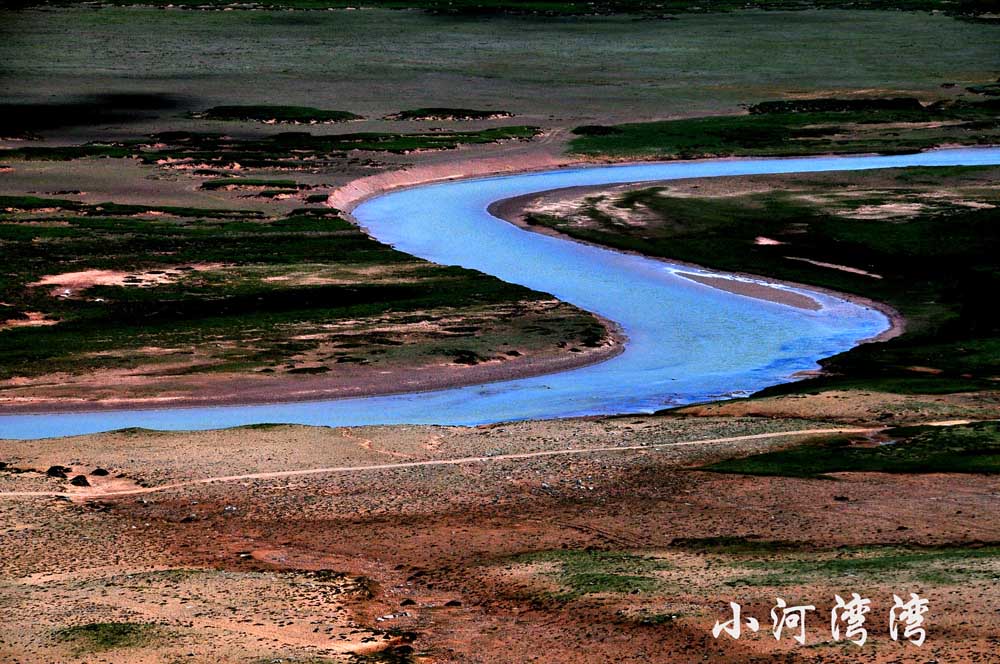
point(687, 342)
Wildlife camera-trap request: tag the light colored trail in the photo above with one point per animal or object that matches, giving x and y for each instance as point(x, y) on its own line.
point(95, 492)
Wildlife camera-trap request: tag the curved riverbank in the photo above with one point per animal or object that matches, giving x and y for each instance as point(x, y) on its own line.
point(688, 342)
point(256, 390)
point(749, 284)
point(356, 192)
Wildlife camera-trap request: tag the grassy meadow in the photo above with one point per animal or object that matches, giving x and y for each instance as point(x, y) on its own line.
point(923, 240)
point(288, 150)
point(967, 9)
point(971, 448)
point(203, 290)
point(885, 126)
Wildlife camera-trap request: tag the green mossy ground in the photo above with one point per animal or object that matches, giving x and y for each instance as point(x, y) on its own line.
point(279, 114)
point(273, 288)
point(587, 572)
point(240, 183)
point(283, 150)
point(768, 563)
point(937, 265)
point(987, 89)
point(973, 448)
point(12, 205)
point(800, 128)
point(104, 636)
point(943, 566)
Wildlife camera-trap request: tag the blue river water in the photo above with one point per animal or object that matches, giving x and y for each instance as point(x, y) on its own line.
point(686, 342)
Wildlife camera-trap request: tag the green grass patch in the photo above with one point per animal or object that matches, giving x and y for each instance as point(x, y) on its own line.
point(786, 128)
point(298, 660)
point(898, 104)
point(404, 654)
point(284, 150)
point(733, 544)
point(222, 183)
point(937, 264)
point(653, 619)
point(934, 565)
point(235, 292)
point(280, 114)
point(14, 204)
point(973, 448)
point(587, 572)
point(449, 114)
point(104, 636)
point(987, 89)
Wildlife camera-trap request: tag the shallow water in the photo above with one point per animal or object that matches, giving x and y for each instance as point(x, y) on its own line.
point(687, 342)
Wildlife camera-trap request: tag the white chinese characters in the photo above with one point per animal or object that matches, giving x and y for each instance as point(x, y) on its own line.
point(852, 614)
point(847, 620)
point(911, 616)
point(734, 627)
point(792, 617)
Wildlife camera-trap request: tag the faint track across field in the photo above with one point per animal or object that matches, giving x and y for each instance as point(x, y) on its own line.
point(95, 491)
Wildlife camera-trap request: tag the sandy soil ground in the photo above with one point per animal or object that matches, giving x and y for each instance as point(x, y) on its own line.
point(466, 561)
point(756, 290)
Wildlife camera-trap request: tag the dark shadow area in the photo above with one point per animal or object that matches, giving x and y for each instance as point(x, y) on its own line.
point(27, 120)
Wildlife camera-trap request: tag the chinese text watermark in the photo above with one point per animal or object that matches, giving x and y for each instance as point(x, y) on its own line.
point(847, 620)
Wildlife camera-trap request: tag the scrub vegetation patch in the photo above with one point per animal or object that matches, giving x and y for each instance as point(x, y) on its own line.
point(447, 114)
point(973, 448)
point(277, 114)
point(103, 636)
point(286, 150)
point(801, 127)
point(923, 240)
point(167, 292)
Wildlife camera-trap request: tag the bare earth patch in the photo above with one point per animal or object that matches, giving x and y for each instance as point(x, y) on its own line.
point(69, 284)
point(885, 211)
point(851, 406)
point(621, 555)
point(767, 241)
point(32, 319)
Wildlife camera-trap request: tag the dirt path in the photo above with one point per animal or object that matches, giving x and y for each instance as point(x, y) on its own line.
point(96, 492)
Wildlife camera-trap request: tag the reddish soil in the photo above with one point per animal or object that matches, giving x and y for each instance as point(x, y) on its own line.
point(449, 553)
